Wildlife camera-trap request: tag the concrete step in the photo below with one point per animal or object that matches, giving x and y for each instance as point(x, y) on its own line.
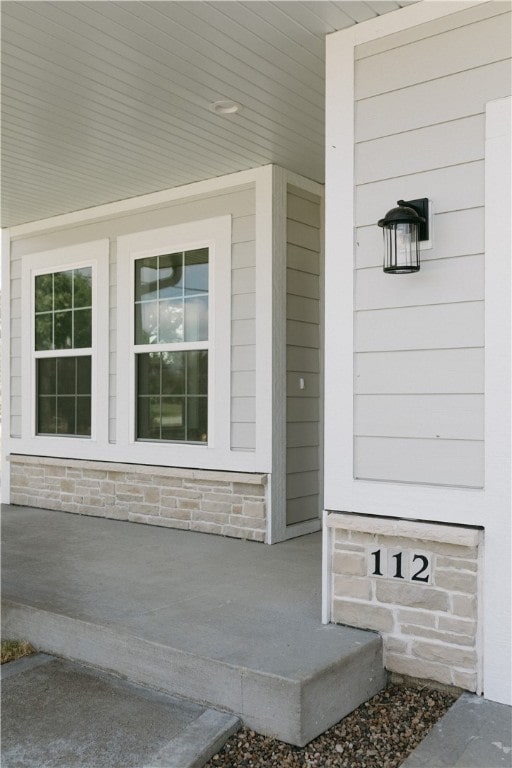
point(294, 706)
point(229, 623)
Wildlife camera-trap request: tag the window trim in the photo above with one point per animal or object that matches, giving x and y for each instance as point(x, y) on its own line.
point(94, 254)
point(214, 234)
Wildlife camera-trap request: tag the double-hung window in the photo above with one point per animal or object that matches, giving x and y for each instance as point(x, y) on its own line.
point(171, 346)
point(64, 314)
point(62, 350)
point(174, 344)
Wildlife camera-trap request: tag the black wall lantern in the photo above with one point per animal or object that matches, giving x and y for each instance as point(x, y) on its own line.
point(403, 228)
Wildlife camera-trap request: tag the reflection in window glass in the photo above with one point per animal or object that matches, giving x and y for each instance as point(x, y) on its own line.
point(172, 396)
point(63, 310)
point(63, 386)
point(171, 308)
point(171, 298)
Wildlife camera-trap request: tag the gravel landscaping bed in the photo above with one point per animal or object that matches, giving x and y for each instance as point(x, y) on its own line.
point(379, 734)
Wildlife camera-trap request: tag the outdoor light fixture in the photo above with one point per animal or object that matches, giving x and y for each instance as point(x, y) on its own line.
point(403, 228)
point(225, 108)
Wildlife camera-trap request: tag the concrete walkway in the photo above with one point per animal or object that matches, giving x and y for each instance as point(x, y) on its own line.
point(56, 713)
point(474, 733)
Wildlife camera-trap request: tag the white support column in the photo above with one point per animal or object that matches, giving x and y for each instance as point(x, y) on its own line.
point(497, 590)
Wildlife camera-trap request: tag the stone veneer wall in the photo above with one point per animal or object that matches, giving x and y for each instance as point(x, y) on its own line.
point(429, 631)
point(226, 503)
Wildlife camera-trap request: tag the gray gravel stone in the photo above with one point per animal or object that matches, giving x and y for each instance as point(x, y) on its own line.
point(379, 734)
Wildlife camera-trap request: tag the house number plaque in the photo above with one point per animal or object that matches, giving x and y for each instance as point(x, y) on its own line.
point(400, 564)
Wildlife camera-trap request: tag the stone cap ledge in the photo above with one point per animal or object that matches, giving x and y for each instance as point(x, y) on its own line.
point(142, 469)
point(428, 531)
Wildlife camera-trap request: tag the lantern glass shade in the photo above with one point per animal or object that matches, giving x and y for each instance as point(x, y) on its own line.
point(403, 228)
point(401, 247)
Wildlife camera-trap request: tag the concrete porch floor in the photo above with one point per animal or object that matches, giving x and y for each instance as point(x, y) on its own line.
point(231, 623)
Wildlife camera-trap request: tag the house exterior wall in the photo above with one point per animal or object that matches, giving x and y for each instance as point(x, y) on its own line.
point(419, 362)
point(224, 503)
point(418, 366)
point(303, 356)
point(221, 487)
point(240, 205)
point(183, 484)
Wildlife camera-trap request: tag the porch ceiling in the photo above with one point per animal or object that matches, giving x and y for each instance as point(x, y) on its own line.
point(103, 101)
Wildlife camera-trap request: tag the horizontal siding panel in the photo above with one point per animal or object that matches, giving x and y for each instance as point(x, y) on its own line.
point(435, 462)
point(311, 384)
point(458, 233)
point(302, 484)
point(300, 510)
point(244, 228)
point(304, 211)
point(243, 280)
point(438, 282)
point(302, 284)
point(460, 49)
point(450, 417)
point(243, 255)
point(303, 235)
point(15, 289)
point(448, 326)
point(442, 371)
point(243, 306)
point(243, 332)
point(302, 334)
point(437, 101)
point(300, 434)
point(302, 309)
point(243, 410)
point(299, 359)
point(302, 259)
point(243, 358)
point(431, 28)
point(300, 409)
point(453, 189)
point(243, 437)
point(302, 459)
point(243, 384)
point(459, 141)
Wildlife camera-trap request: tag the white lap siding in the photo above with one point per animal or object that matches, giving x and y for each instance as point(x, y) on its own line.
point(420, 132)
point(303, 361)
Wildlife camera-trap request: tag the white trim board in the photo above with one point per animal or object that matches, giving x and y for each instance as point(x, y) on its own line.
point(6, 360)
point(140, 203)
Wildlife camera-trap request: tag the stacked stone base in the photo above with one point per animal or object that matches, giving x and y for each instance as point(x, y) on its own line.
point(430, 628)
point(225, 503)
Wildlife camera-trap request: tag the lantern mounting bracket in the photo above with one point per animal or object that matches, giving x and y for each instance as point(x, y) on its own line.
point(421, 207)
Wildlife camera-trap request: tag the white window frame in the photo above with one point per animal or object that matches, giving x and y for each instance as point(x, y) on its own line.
point(214, 234)
point(95, 255)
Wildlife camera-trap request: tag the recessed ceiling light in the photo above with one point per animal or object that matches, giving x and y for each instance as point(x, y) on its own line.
point(225, 107)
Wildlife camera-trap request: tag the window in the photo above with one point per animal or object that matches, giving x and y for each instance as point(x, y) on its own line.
point(63, 349)
point(171, 346)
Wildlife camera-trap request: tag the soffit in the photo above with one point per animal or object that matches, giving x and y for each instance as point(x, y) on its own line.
point(103, 101)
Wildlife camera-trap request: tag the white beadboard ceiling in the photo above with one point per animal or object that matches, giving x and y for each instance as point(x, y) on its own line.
point(107, 100)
